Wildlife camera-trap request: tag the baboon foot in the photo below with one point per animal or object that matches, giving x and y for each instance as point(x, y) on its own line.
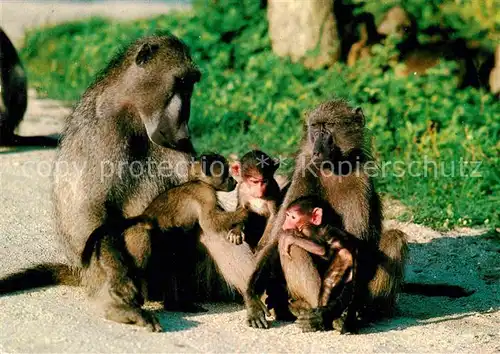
point(130, 315)
point(296, 307)
point(311, 320)
point(256, 314)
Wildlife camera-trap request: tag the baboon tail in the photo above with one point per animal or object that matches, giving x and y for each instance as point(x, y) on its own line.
point(39, 276)
point(447, 290)
point(393, 250)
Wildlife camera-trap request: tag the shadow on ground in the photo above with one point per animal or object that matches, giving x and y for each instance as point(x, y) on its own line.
point(472, 262)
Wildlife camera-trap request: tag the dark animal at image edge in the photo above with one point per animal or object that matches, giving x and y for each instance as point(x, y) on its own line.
point(334, 136)
point(14, 98)
point(137, 110)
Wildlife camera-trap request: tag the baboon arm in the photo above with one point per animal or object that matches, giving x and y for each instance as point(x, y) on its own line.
point(234, 262)
point(339, 271)
point(218, 221)
point(358, 223)
point(257, 284)
point(267, 259)
point(302, 182)
point(310, 246)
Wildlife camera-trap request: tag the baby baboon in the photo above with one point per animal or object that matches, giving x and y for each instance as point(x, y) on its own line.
point(334, 252)
point(177, 210)
point(14, 97)
point(258, 191)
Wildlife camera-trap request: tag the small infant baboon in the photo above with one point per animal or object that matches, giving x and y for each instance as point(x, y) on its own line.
point(258, 191)
point(312, 218)
point(310, 225)
point(167, 219)
point(14, 98)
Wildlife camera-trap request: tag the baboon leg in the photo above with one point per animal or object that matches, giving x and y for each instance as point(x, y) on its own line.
point(129, 315)
point(236, 263)
point(119, 272)
point(125, 283)
point(389, 274)
point(302, 278)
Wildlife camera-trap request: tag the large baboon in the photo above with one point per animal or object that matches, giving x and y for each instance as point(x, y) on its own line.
point(14, 97)
point(126, 142)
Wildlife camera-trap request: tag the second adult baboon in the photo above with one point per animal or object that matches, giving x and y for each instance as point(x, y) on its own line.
point(332, 165)
point(14, 97)
point(126, 142)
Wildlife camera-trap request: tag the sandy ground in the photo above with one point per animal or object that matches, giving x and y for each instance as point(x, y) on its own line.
point(60, 319)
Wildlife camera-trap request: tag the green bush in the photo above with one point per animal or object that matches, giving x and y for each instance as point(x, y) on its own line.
point(250, 98)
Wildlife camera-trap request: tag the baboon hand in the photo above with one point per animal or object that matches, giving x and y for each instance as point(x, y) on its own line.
point(256, 314)
point(311, 320)
point(235, 235)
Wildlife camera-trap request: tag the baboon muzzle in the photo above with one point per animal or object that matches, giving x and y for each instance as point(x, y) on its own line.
point(323, 145)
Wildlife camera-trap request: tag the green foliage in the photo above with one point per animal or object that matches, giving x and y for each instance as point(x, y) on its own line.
point(249, 98)
point(470, 19)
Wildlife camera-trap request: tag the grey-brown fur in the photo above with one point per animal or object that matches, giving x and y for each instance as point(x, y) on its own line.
point(106, 143)
point(168, 228)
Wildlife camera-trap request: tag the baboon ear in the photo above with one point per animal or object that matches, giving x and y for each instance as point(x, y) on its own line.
point(317, 216)
point(146, 52)
point(360, 116)
point(236, 170)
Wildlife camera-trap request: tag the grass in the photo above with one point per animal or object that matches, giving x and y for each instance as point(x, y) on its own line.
point(249, 98)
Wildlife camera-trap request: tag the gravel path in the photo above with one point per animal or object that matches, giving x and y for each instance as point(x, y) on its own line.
point(60, 319)
point(16, 16)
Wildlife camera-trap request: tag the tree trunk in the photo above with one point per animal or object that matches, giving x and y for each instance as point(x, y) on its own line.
point(305, 30)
